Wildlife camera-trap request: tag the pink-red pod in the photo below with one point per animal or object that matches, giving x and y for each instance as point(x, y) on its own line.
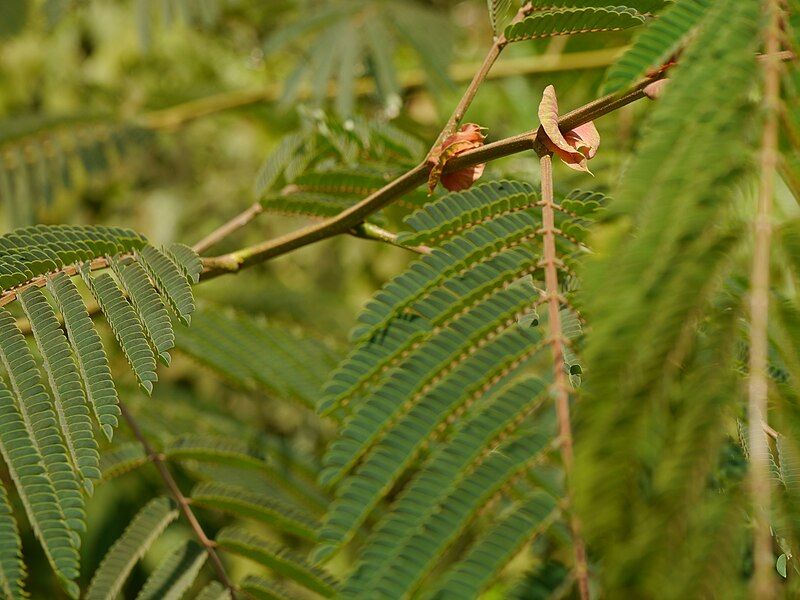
point(576, 147)
point(469, 136)
point(655, 89)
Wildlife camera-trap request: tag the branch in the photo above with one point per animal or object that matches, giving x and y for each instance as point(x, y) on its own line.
point(460, 110)
point(559, 376)
point(759, 314)
point(158, 460)
point(353, 216)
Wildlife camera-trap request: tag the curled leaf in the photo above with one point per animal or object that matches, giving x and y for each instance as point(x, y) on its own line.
point(574, 148)
point(469, 136)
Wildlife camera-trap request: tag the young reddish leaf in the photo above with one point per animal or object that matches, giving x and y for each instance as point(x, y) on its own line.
point(575, 147)
point(468, 137)
point(655, 89)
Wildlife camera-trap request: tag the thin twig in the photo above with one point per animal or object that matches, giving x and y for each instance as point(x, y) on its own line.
point(183, 503)
point(460, 110)
point(368, 231)
point(228, 228)
point(561, 386)
point(763, 586)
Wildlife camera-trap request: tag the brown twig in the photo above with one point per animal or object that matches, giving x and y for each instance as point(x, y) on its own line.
point(228, 228)
point(550, 264)
point(460, 110)
point(758, 384)
point(353, 216)
point(183, 503)
point(368, 231)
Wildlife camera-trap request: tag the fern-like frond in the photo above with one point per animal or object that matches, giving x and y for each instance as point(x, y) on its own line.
point(568, 21)
point(252, 352)
point(494, 547)
point(37, 493)
point(37, 411)
point(138, 536)
point(475, 438)
point(418, 556)
point(89, 354)
point(170, 281)
point(214, 591)
point(126, 325)
point(12, 569)
point(50, 418)
point(173, 577)
point(261, 588)
point(244, 503)
point(65, 386)
point(281, 561)
point(657, 43)
point(149, 307)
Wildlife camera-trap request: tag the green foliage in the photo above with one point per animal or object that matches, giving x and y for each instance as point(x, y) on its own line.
point(436, 465)
point(251, 353)
point(566, 21)
point(48, 440)
point(41, 157)
point(653, 287)
point(117, 564)
point(655, 45)
point(241, 541)
point(175, 575)
point(341, 52)
point(435, 396)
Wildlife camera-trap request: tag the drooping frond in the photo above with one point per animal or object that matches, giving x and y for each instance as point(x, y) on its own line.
point(175, 574)
point(214, 591)
point(494, 547)
point(643, 6)
point(88, 350)
point(252, 352)
point(500, 13)
point(657, 43)
point(475, 439)
point(432, 394)
point(235, 453)
point(49, 418)
point(658, 355)
point(148, 305)
point(126, 325)
point(65, 385)
point(118, 562)
point(262, 588)
point(244, 503)
point(12, 569)
point(240, 541)
point(352, 37)
point(37, 493)
point(39, 158)
point(569, 21)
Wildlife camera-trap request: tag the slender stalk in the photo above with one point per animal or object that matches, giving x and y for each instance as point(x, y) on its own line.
point(368, 231)
point(183, 503)
point(763, 585)
point(460, 110)
point(561, 386)
point(353, 216)
point(228, 228)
